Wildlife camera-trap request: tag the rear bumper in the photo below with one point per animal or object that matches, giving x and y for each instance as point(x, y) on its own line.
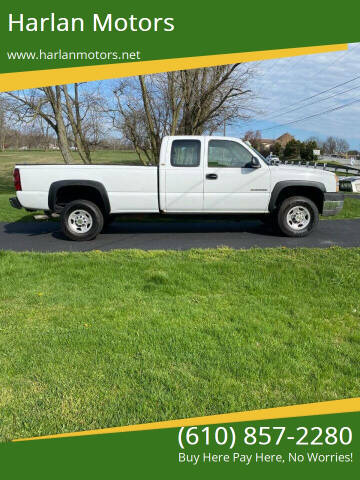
point(333, 203)
point(14, 202)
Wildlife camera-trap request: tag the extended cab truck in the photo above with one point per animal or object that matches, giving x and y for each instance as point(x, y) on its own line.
point(195, 175)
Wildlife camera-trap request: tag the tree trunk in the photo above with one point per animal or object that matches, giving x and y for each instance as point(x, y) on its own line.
point(155, 144)
point(63, 144)
point(74, 127)
point(79, 124)
point(61, 130)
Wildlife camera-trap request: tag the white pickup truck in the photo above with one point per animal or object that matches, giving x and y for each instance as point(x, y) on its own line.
point(195, 175)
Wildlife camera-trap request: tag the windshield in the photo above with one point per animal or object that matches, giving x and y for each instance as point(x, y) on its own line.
point(258, 153)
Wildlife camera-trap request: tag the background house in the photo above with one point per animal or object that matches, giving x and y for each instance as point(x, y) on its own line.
point(267, 143)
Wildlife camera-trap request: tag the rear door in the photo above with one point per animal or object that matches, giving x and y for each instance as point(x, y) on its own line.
point(231, 184)
point(184, 175)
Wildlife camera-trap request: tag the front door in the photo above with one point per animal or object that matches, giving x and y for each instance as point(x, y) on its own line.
point(231, 184)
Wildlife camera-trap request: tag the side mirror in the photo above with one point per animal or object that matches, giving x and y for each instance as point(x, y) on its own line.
point(255, 163)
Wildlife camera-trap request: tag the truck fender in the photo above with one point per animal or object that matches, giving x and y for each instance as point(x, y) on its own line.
point(55, 186)
point(279, 187)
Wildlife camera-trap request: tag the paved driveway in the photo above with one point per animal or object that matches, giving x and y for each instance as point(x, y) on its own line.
point(176, 235)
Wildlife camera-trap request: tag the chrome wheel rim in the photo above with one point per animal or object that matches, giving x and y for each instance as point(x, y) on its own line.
point(298, 217)
point(80, 221)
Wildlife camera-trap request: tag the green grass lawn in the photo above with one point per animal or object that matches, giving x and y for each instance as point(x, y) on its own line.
point(351, 210)
point(9, 214)
point(92, 340)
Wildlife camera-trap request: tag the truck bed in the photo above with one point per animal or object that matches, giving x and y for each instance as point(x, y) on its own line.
point(130, 188)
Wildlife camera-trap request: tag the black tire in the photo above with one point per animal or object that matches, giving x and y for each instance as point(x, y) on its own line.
point(89, 213)
point(304, 219)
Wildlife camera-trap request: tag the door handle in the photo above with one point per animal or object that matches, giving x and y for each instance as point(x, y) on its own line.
point(211, 176)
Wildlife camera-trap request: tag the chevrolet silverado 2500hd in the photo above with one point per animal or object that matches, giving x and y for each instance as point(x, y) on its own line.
point(195, 175)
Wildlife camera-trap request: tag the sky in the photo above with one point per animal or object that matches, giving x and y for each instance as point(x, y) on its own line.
point(282, 85)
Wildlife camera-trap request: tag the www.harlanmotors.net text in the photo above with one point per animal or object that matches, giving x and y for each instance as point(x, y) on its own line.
point(65, 55)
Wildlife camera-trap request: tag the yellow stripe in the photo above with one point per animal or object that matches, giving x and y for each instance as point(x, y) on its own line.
point(43, 78)
point(308, 409)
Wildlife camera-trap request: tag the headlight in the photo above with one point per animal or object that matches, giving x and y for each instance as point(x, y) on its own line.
point(337, 183)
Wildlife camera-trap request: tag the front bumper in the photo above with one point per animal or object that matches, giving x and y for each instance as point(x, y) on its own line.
point(14, 202)
point(333, 203)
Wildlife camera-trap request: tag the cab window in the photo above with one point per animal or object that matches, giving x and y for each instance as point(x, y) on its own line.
point(228, 154)
point(185, 153)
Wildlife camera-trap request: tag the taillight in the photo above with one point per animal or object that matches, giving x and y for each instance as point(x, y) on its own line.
point(17, 179)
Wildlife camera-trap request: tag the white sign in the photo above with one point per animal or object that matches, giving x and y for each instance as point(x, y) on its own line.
point(316, 152)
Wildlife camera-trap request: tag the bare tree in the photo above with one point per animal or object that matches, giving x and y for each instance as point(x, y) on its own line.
point(333, 145)
point(95, 124)
point(342, 146)
point(45, 103)
point(3, 125)
point(73, 113)
point(187, 102)
point(329, 146)
point(46, 138)
point(84, 109)
point(53, 95)
point(129, 118)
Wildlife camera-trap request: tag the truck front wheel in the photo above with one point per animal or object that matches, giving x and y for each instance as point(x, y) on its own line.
point(81, 220)
point(297, 216)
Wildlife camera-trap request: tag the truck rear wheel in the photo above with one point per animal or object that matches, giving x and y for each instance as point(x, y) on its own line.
point(81, 220)
point(297, 216)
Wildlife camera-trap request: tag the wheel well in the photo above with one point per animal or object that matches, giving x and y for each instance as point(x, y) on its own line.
point(70, 193)
point(313, 193)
